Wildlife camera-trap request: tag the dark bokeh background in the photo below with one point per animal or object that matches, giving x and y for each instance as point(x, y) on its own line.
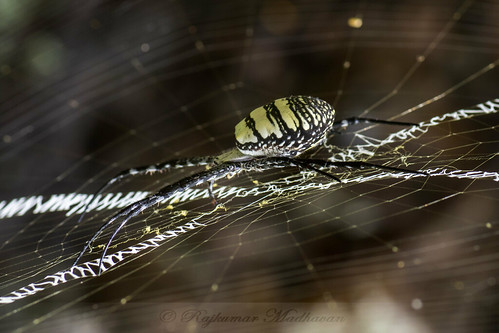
point(89, 88)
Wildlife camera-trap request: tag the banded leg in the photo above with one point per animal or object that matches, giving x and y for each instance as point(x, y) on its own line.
point(356, 165)
point(166, 192)
point(215, 173)
point(150, 169)
point(343, 124)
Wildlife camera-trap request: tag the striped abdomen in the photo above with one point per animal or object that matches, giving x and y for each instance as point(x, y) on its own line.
point(285, 127)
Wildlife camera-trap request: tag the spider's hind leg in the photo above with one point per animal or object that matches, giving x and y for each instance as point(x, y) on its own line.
point(358, 165)
point(345, 123)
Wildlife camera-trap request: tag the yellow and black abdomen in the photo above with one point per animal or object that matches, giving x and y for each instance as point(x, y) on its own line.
point(285, 127)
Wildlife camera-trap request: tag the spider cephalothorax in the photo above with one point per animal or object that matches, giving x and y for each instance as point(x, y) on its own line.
point(271, 136)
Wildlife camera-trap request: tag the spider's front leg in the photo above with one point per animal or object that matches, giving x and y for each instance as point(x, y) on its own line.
point(165, 193)
point(149, 169)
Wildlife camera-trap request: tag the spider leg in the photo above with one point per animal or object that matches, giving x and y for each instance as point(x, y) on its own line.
point(150, 169)
point(306, 165)
point(129, 212)
point(218, 172)
point(356, 165)
point(166, 192)
point(343, 124)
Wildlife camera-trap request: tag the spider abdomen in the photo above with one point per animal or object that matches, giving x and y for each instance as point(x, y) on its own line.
point(285, 127)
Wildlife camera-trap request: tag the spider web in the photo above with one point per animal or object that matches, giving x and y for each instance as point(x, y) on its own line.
point(93, 89)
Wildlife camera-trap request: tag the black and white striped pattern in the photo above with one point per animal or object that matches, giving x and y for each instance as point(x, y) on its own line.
point(163, 166)
point(285, 127)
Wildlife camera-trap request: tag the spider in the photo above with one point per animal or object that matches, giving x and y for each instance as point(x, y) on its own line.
point(271, 136)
